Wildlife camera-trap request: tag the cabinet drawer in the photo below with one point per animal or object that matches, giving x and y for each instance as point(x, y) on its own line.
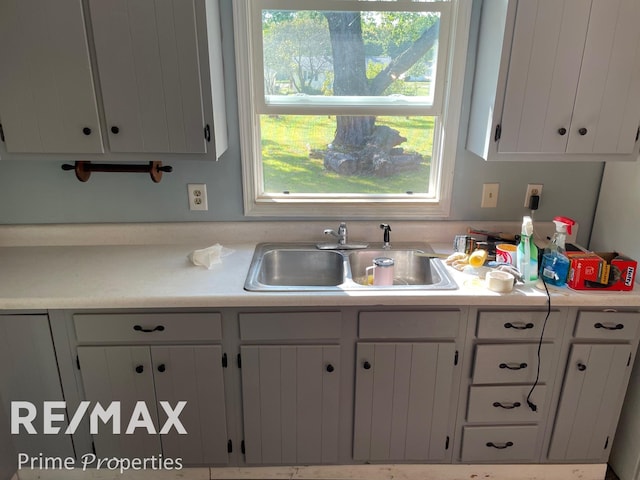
point(396, 324)
point(511, 363)
point(505, 404)
point(607, 325)
point(148, 327)
point(526, 325)
point(291, 326)
point(499, 444)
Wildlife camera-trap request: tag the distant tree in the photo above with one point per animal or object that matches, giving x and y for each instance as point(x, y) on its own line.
point(297, 48)
point(349, 64)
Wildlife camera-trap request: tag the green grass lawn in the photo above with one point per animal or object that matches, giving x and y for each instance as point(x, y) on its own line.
point(288, 139)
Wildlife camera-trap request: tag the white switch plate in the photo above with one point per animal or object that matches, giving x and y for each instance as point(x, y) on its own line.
point(490, 195)
point(197, 196)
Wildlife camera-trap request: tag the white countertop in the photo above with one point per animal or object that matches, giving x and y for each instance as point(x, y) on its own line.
point(148, 276)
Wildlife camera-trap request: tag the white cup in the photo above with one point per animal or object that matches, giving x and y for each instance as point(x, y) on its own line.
point(382, 271)
point(506, 253)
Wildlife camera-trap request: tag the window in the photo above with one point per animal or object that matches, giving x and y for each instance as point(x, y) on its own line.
point(349, 107)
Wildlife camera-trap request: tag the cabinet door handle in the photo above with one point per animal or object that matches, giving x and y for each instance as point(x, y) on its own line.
point(162, 367)
point(513, 367)
point(562, 131)
point(583, 131)
point(115, 130)
point(506, 406)
point(582, 367)
point(330, 368)
point(500, 447)
point(139, 328)
point(139, 369)
point(525, 326)
point(617, 326)
point(86, 131)
point(366, 365)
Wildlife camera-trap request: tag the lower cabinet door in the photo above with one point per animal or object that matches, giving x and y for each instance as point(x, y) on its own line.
point(290, 398)
point(193, 374)
point(172, 374)
point(123, 375)
point(595, 379)
point(403, 401)
point(30, 374)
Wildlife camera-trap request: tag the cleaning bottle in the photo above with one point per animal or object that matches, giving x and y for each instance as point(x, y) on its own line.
point(555, 264)
point(527, 253)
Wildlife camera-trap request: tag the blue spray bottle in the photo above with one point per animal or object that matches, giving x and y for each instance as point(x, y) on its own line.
point(555, 264)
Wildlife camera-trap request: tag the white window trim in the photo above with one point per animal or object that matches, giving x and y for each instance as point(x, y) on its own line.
point(352, 206)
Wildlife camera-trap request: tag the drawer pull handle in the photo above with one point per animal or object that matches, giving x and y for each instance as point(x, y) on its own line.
point(513, 367)
point(330, 368)
point(162, 368)
point(582, 367)
point(617, 326)
point(138, 328)
point(526, 326)
point(500, 447)
point(507, 407)
point(139, 369)
point(366, 365)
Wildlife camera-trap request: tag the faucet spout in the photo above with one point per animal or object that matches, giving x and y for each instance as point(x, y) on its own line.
point(386, 237)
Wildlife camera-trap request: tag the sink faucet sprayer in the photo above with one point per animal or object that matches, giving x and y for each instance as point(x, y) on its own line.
point(386, 237)
point(341, 235)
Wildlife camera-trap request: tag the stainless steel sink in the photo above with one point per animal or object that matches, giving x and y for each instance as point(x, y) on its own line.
point(303, 267)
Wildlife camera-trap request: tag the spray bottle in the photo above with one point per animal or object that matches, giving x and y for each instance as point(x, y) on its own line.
point(555, 264)
point(527, 253)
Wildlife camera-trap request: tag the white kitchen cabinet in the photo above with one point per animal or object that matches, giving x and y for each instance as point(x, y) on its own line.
point(151, 367)
point(291, 389)
point(47, 98)
point(157, 67)
point(595, 381)
point(403, 401)
point(558, 80)
point(30, 374)
point(405, 389)
point(498, 424)
point(290, 400)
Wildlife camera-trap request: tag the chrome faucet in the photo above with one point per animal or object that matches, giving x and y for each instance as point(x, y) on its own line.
point(341, 235)
point(386, 237)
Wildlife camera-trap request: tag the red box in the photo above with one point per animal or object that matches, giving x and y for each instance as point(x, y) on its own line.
point(601, 271)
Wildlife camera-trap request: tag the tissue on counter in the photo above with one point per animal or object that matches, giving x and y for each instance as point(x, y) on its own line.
point(210, 256)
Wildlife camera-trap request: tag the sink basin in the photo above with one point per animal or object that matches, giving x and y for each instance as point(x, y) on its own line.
point(409, 269)
point(282, 267)
point(279, 267)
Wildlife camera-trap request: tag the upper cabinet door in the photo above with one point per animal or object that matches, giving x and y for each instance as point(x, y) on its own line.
point(149, 72)
point(560, 81)
point(544, 69)
point(47, 99)
point(607, 109)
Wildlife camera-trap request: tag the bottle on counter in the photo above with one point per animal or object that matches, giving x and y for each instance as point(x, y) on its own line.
point(527, 253)
point(555, 264)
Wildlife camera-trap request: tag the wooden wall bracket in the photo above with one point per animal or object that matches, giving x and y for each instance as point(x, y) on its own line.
point(84, 169)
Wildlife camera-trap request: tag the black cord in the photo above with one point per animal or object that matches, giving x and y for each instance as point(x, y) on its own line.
point(532, 405)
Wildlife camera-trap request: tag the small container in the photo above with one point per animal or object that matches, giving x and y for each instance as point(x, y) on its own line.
point(506, 253)
point(382, 271)
point(477, 258)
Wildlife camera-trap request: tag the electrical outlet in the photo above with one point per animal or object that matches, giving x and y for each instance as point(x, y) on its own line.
point(490, 195)
point(532, 189)
point(197, 196)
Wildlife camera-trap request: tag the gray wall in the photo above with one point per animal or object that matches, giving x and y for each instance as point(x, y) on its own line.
point(40, 192)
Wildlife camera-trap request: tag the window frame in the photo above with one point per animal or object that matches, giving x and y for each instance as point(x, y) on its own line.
point(435, 205)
